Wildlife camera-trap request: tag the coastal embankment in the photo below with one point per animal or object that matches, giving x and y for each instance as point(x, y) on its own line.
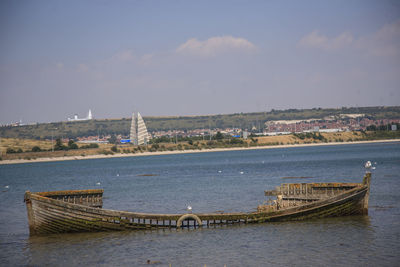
point(119, 155)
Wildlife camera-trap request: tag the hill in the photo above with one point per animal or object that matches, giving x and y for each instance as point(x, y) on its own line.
point(238, 120)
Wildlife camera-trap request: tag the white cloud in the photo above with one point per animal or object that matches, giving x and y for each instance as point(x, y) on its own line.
point(82, 67)
point(389, 31)
point(94, 69)
point(123, 56)
point(384, 42)
point(214, 45)
point(146, 59)
point(317, 40)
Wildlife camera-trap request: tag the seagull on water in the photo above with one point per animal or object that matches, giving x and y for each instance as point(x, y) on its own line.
point(368, 164)
point(7, 186)
point(98, 183)
point(241, 172)
point(189, 209)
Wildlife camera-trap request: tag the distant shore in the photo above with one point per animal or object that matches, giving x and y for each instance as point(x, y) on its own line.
point(122, 155)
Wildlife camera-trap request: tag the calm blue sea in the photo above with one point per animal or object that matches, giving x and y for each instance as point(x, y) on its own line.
point(215, 181)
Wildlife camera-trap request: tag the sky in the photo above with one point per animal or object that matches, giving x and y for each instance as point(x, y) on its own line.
point(168, 58)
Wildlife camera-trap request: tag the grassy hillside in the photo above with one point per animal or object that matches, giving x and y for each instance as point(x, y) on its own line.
point(25, 146)
point(238, 120)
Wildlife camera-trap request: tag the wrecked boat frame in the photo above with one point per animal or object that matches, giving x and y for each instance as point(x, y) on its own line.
point(81, 210)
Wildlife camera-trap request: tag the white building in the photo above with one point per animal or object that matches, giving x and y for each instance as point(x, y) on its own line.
point(138, 134)
point(75, 118)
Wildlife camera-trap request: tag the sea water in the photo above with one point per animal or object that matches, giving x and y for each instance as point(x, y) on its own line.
point(210, 182)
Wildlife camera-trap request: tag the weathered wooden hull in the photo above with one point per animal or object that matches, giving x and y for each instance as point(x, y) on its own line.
point(58, 212)
point(350, 203)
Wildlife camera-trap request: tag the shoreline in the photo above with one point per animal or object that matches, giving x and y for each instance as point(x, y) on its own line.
point(122, 155)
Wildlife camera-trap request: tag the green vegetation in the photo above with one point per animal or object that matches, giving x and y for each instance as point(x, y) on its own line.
point(219, 136)
point(382, 127)
point(224, 141)
point(381, 135)
point(59, 145)
point(94, 145)
point(105, 127)
point(106, 152)
point(72, 145)
point(313, 135)
point(36, 149)
point(11, 150)
point(113, 139)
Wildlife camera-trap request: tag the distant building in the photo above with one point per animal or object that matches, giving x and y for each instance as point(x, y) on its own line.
point(330, 130)
point(276, 133)
point(245, 134)
point(75, 118)
point(138, 134)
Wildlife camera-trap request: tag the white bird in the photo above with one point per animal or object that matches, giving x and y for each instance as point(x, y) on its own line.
point(98, 183)
point(189, 208)
point(117, 174)
point(368, 164)
point(219, 171)
point(241, 172)
point(6, 186)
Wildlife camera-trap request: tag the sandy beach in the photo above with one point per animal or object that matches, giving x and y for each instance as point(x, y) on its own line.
point(120, 155)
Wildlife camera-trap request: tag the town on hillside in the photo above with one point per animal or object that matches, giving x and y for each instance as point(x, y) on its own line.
point(347, 122)
point(240, 125)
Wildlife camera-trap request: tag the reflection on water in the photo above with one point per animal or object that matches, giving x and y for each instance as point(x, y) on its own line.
point(210, 182)
point(284, 243)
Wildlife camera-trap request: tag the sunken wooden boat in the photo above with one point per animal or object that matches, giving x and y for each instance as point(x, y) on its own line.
point(81, 210)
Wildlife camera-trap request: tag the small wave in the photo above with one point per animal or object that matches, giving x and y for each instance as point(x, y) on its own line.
point(382, 207)
point(297, 177)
